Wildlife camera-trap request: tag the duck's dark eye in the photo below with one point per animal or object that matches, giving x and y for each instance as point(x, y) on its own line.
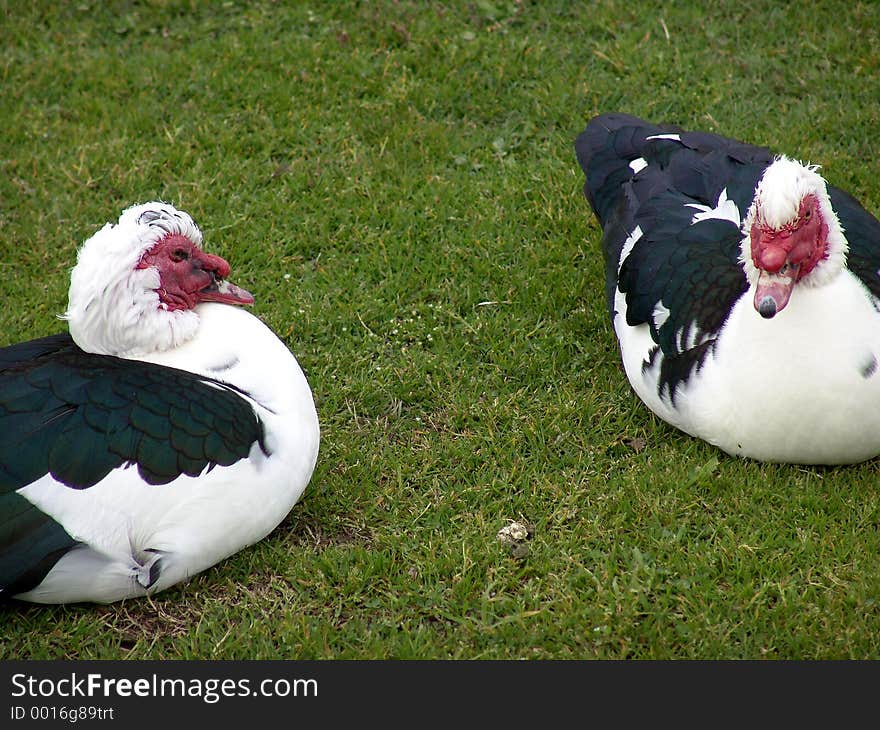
point(179, 254)
point(808, 215)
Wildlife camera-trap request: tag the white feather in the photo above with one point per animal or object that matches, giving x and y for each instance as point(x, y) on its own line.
point(725, 209)
point(627, 248)
point(637, 165)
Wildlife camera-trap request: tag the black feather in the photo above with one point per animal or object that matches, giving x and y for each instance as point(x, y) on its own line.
point(692, 268)
point(862, 231)
point(77, 415)
point(31, 543)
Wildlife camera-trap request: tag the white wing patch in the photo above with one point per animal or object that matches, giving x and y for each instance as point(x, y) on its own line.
point(638, 164)
point(690, 336)
point(660, 314)
point(628, 246)
point(725, 209)
point(673, 137)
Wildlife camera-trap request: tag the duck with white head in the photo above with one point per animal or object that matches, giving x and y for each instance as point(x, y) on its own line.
point(743, 289)
point(167, 430)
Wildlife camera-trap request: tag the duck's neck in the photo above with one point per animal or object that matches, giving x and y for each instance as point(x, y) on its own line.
point(126, 320)
point(233, 346)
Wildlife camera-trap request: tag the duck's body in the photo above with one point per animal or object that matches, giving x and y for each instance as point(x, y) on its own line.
point(123, 476)
point(742, 290)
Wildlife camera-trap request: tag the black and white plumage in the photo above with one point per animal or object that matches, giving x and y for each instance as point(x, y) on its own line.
point(742, 288)
point(168, 430)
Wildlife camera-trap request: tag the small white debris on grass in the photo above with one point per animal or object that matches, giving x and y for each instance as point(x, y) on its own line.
point(514, 532)
point(514, 535)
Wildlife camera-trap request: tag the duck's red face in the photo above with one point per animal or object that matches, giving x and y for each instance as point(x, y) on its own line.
point(784, 255)
point(189, 275)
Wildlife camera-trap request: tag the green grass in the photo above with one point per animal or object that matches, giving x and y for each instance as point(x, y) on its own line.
point(396, 183)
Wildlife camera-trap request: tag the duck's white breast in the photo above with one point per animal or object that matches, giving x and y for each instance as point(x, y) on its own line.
point(801, 387)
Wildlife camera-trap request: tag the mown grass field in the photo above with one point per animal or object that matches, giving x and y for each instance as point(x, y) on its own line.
point(396, 183)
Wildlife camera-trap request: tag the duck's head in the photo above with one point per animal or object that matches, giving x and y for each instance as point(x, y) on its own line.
point(792, 236)
point(136, 283)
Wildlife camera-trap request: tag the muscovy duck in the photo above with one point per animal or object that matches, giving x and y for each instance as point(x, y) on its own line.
point(743, 291)
point(166, 431)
